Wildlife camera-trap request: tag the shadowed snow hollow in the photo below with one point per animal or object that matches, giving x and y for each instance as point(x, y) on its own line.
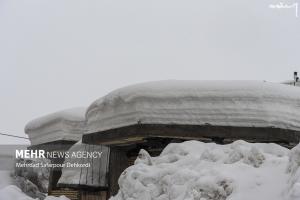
point(205, 171)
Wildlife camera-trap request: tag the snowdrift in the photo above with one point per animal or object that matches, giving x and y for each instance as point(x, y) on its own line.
point(12, 192)
point(217, 103)
point(206, 171)
point(293, 188)
point(63, 125)
point(33, 181)
point(8, 191)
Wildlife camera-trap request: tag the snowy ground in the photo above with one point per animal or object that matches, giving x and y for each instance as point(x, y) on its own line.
point(8, 191)
point(203, 171)
point(12, 192)
point(199, 171)
point(8, 188)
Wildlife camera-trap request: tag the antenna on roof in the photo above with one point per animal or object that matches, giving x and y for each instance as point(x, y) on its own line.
point(296, 78)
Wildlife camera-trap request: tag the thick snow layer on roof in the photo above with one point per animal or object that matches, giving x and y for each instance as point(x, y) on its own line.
point(95, 175)
point(194, 171)
point(63, 125)
point(224, 103)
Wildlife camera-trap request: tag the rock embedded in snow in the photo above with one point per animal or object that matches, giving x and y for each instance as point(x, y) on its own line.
point(63, 125)
point(194, 170)
point(218, 103)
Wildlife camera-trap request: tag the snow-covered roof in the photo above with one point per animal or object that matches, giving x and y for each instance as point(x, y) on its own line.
point(62, 125)
point(292, 82)
point(95, 175)
point(219, 103)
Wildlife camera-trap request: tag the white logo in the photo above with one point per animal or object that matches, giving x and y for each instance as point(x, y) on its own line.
point(30, 154)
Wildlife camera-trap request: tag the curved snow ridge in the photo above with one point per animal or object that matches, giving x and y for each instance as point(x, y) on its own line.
point(206, 171)
point(220, 103)
point(62, 125)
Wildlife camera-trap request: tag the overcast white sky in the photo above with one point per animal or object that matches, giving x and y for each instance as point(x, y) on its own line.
point(58, 54)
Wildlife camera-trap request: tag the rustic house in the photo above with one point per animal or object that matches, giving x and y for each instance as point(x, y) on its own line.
point(151, 115)
point(57, 132)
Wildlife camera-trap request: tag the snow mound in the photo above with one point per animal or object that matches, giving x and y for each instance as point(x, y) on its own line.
point(219, 103)
point(206, 171)
point(63, 125)
point(5, 178)
point(33, 181)
point(12, 192)
point(293, 189)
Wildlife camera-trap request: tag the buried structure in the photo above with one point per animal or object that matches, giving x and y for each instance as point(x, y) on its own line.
point(58, 132)
point(89, 180)
point(151, 115)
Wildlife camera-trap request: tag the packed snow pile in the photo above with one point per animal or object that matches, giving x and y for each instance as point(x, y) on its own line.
point(12, 192)
point(293, 189)
point(63, 125)
point(206, 171)
point(9, 191)
point(23, 183)
point(33, 181)
point(94, 175)
point(219, 103)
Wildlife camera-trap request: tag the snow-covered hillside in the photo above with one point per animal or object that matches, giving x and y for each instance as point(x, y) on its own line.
point(205, 171)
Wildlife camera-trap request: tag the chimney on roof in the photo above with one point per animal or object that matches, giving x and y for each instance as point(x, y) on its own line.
point(296, 78)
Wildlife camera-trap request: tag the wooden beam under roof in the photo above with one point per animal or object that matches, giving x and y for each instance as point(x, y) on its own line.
point(139, 132)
